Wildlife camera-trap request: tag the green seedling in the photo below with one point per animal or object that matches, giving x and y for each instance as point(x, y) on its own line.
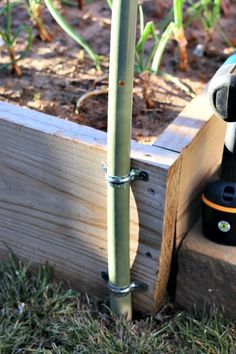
point(168, 27)
point(160, 41)
point(109, 3)
point(37, 96)
point(160, 47)
point(207, 12)
point(148, 32)
point(151, 61)
point(71, 32)
point(180, 34)
point(35, 9)
point(10, 36)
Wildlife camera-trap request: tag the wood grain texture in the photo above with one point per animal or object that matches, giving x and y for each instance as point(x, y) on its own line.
point(207, 274)
point(169, 231)
point(200, 161)
point(187, 125)
point(198, 135)
point(53, 201)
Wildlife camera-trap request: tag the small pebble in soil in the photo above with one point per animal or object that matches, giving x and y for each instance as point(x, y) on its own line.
point(199, 50)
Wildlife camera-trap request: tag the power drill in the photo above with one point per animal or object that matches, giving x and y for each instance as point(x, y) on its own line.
point(219, 197)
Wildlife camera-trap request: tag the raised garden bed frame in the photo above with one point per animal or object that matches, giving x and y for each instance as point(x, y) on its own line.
point(53, 195)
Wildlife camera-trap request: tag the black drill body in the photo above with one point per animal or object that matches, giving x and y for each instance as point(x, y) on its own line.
point(219, 198)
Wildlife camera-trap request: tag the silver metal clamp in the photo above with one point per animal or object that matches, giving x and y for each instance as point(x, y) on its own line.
point(118, 181)
point(123, 291)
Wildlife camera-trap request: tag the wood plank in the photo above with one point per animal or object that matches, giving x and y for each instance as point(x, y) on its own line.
point(206, 274)
point(200, 161)
point(169, 232)
point(199, 137)
point(186, 126)
point(53, 201)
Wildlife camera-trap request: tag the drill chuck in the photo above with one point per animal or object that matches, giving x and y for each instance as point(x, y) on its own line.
point(222, 90)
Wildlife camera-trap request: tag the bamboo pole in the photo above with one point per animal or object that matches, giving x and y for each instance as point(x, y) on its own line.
point(122, 48)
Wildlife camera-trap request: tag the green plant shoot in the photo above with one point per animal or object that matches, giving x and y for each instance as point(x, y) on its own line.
point(35, 9)
point(70, 31)
point(179, 33)
point(109, 3)
point(207, 12)
point(151, 61)
point(9, 37)
point(148, 32)
point(160, 48)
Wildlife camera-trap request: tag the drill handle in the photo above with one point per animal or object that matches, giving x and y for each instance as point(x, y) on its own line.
point(228, 166)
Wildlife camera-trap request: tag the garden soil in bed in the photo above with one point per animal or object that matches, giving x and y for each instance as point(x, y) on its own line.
point(57, 74)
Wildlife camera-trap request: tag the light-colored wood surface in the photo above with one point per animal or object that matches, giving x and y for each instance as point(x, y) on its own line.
point(53, 202)
point(206, 274)
point(198, 135)
point(181, 132)
point(200, 161)
point(169, 231)
point(53, 194)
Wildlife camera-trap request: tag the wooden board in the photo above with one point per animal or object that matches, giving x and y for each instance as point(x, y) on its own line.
point(187, 125)
point(53, 194)
point(198, 135)
point(53, 202)
point(206, 274)
point(168, 232)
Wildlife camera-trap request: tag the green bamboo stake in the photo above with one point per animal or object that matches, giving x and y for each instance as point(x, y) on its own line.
point(122, 50)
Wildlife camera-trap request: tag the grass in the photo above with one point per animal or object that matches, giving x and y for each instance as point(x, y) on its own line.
point(39, 315)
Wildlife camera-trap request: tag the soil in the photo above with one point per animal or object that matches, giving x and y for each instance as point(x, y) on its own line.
point(57, 74)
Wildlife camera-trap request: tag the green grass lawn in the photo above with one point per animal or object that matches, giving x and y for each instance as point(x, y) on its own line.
point(39, 315)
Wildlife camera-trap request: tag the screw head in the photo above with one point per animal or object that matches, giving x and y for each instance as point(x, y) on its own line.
point(143, 175)
point(224, 226)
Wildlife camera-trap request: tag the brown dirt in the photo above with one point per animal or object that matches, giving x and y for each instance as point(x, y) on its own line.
point(57, 74)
